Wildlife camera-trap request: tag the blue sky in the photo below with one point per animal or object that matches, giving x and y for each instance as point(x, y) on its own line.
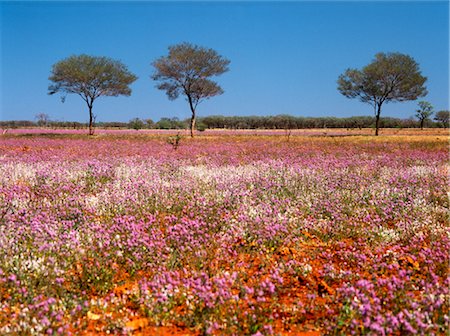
point(285, 56)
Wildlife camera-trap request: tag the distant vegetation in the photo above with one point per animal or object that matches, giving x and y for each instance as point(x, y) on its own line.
point(285, 122)
point(291, 122)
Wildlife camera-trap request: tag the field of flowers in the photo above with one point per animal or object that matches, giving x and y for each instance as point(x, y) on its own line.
point(234, 235)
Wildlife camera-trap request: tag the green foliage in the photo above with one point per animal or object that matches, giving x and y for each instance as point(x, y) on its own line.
point(90, 77)
point(150, 123)
point(201, 127)
point(287, 122)
point(443, 117)
point(136, 124)
point(187, 70)
point(170, 123)
point(391, 77)
point(424, 112)
point(249, 122)
point(174, 141)
point(93, 278)
point(112, 124)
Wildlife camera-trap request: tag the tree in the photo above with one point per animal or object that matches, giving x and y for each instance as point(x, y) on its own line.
point(150, 123)
point(136, 124)
point(391, 77)
point(187, 70)
point(90, 77)
point(42, 119)
point(443, 117)
point(170, 123)
point(424, 112)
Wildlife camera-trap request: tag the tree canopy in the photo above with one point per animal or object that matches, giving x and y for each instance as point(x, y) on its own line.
point(187, 70)
point(391, 77)
point(90, 77)
point(443, 117)
point(424, 111)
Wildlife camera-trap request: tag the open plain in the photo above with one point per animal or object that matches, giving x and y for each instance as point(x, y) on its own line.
point(310, 232)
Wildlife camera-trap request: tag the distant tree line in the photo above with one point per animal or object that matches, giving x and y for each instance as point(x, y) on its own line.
point(59, 124)
point(291, 122)
point(282, 122)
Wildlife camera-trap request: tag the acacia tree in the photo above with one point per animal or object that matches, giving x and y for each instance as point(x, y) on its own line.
point(391, 77)
point(443, 117)
point(424, 112)
point(136, 124)
point(90, 77)
point(187, 70)
point(42, 119)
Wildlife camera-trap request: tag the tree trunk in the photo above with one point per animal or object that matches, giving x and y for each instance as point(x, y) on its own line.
point(421, 123)
point(192, 124)
point(377, 118)
point(91, 120)
point(192, 116)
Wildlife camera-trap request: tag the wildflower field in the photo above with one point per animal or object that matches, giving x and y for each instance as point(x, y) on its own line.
point(225, 235)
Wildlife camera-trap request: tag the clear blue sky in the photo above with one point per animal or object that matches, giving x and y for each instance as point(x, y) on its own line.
point(285, 56)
